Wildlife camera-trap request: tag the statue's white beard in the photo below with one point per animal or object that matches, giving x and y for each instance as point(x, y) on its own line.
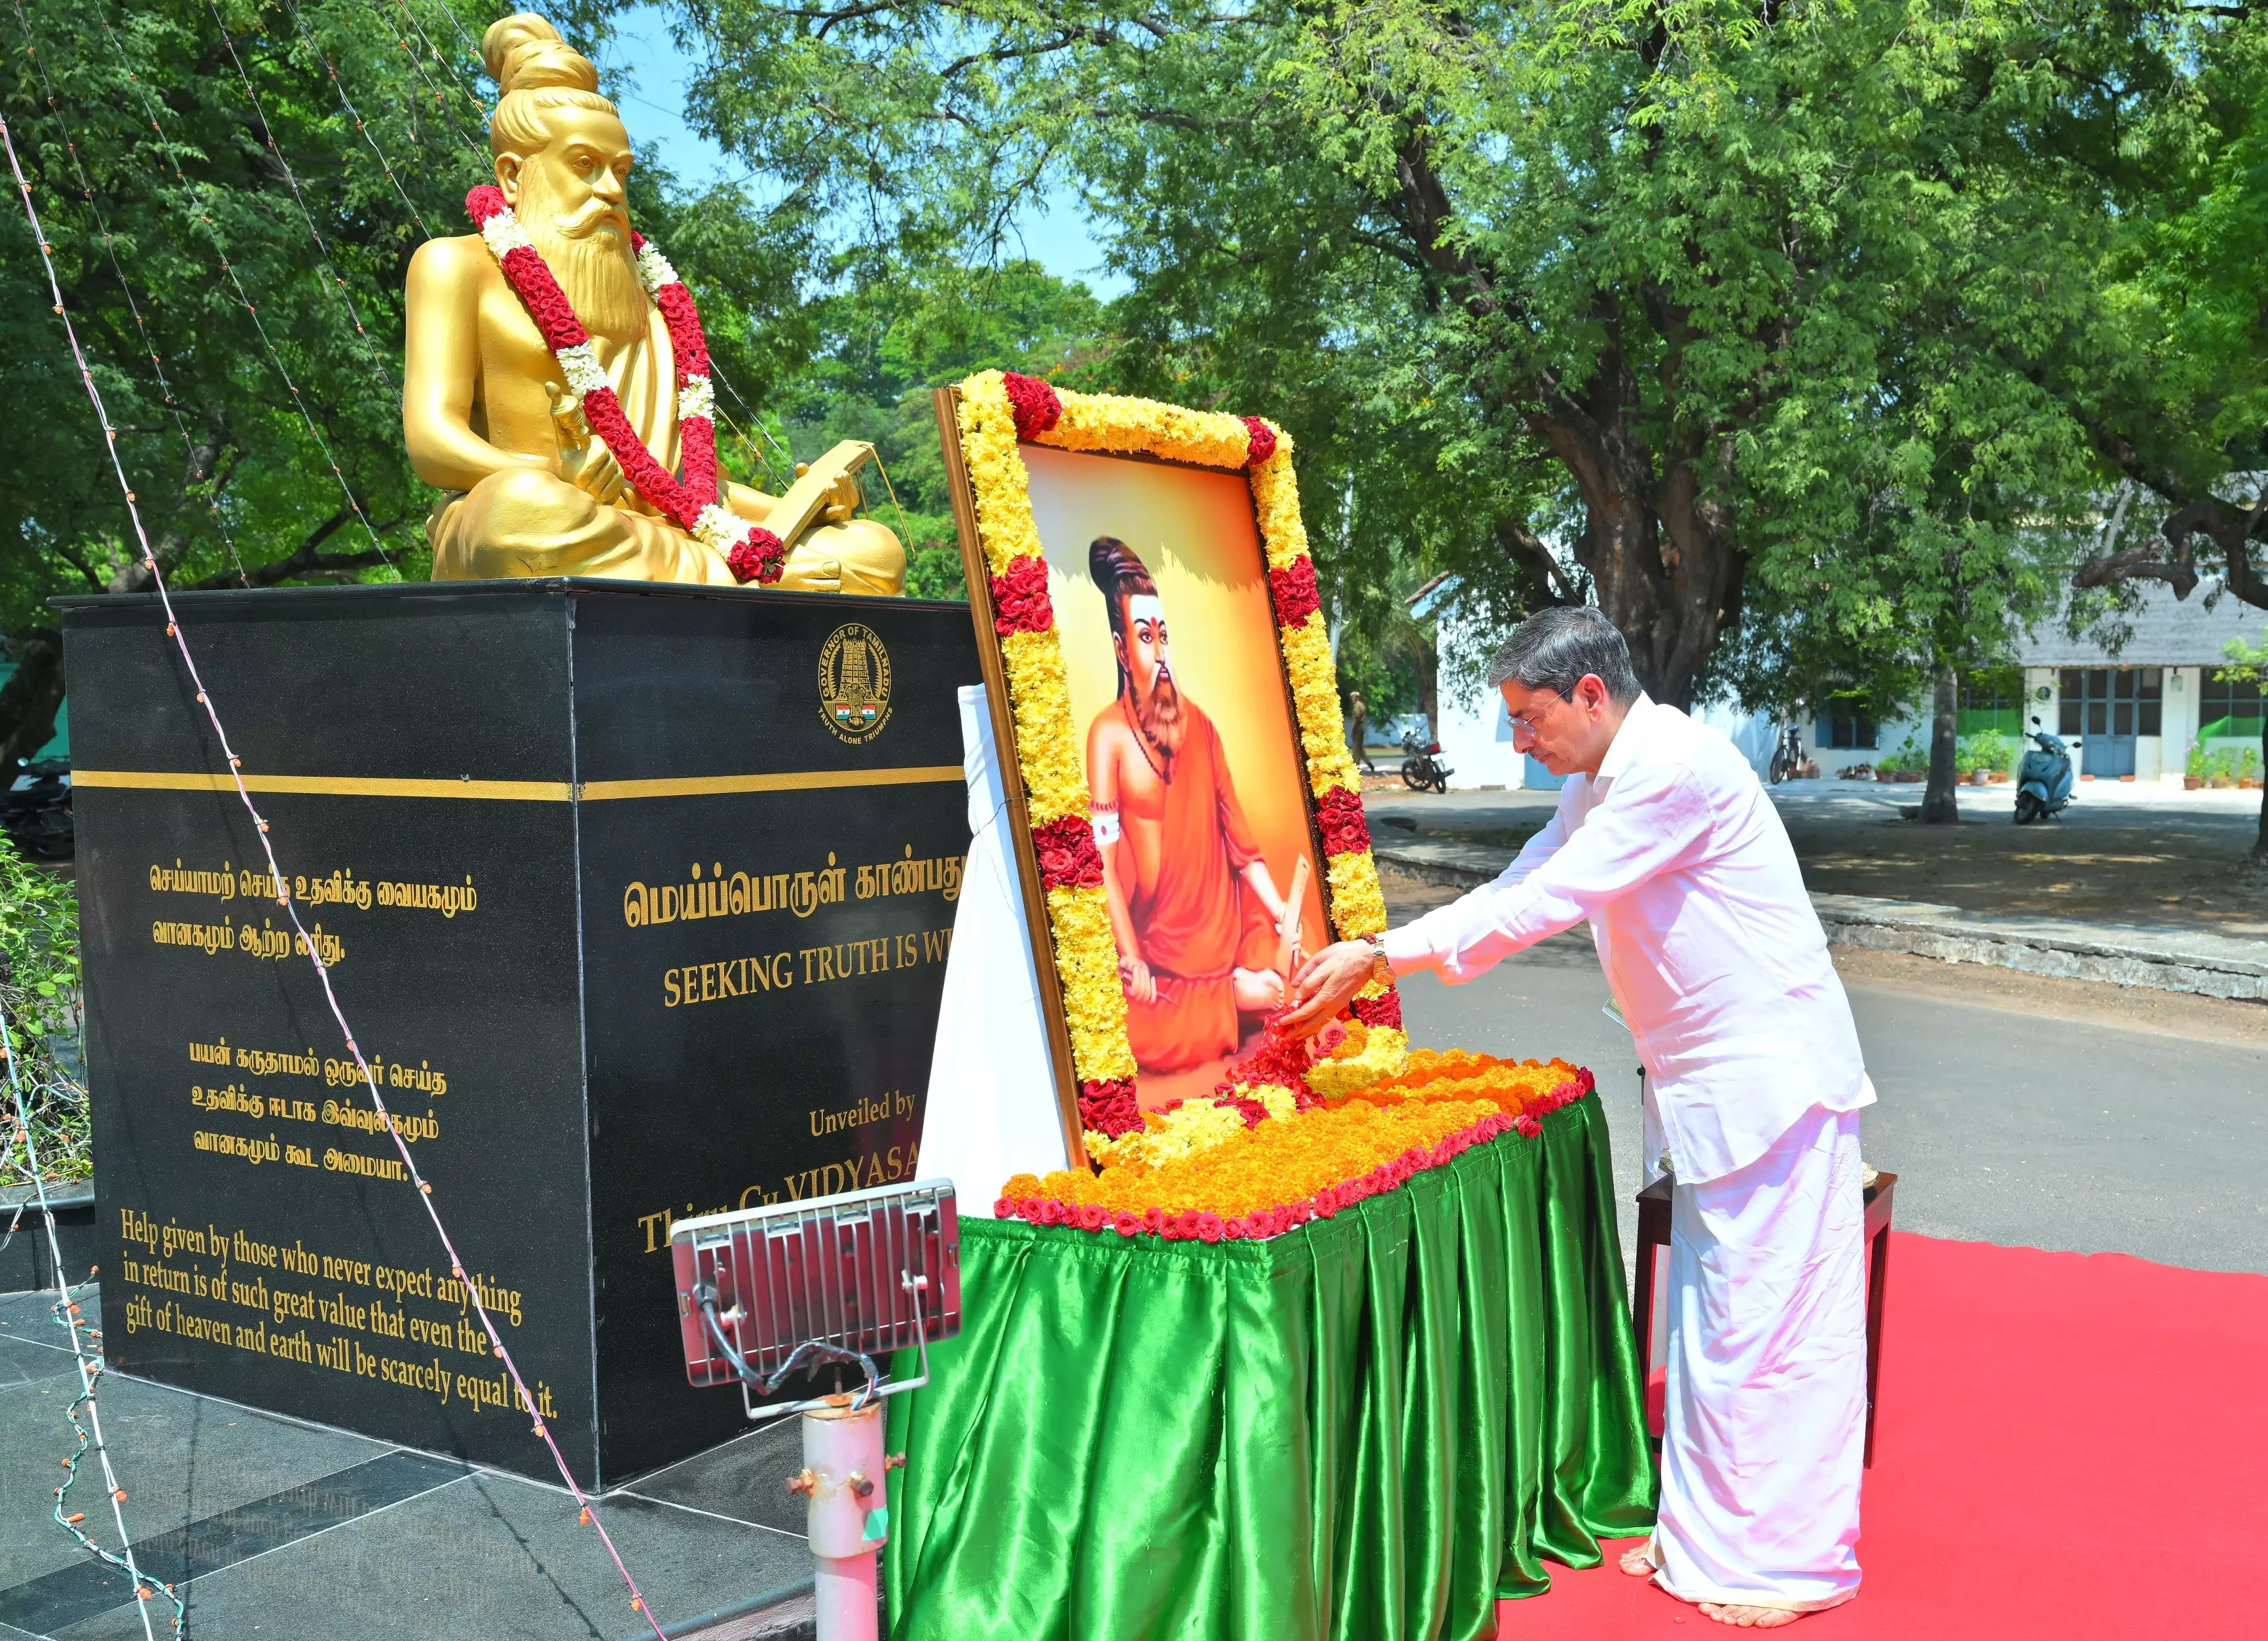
point(599, 273)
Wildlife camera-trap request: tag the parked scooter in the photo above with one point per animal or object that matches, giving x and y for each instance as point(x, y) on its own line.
point(1422, 768)
point(36, 812)
point(2044, 780)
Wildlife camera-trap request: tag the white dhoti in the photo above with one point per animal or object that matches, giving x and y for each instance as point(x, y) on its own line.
point(1764, 1433)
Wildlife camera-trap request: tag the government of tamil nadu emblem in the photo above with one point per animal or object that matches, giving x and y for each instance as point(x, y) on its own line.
point(854, 682)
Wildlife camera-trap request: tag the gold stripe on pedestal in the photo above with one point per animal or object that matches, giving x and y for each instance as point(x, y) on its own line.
point(518, 792)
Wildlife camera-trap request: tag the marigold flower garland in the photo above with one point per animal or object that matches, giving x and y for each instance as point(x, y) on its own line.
point(693, 504)
point(996, 411)
point(1205, 1170)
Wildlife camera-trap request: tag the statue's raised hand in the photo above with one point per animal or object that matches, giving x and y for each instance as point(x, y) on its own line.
point(584, 461)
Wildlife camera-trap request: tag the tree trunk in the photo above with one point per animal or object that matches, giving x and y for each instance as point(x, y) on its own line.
point(1939, 802)
point(1429, 689)
point(2260, 844)
point(1660, 555)
point(31, 700)
point(1657, 540)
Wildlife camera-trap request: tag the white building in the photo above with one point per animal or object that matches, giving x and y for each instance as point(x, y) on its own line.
point(1476, 731)
point(2136, 714)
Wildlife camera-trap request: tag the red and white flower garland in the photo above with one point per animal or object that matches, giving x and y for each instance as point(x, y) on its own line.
point(693, 504)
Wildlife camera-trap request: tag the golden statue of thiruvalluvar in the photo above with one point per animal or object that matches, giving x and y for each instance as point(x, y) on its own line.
point(490, 414)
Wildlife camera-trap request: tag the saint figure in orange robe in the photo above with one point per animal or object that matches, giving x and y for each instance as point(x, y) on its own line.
point(1192, 906)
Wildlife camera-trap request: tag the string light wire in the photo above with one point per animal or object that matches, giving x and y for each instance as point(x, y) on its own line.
point(65, 1309)
point(480, 113)
point(355, 115)
point(291, 909)
point(243, 296)
point(337, 284)
point(141, 325)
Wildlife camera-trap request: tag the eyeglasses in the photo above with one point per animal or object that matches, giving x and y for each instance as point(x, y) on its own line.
point(1525, 726)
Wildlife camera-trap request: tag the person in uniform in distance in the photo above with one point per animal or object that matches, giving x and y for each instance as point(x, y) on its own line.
point(1192, 906)
point(1664, 841)
point(529, 491)
point(1358, 729)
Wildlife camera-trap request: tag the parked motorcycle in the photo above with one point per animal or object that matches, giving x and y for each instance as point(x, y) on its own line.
point(2044, 780)
point(36, 812)
point(1422, 768)
point(1788, 757)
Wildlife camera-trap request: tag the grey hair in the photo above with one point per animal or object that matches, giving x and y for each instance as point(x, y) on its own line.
point(1555, 648)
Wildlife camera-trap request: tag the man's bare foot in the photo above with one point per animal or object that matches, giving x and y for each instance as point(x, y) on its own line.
point(1750, 1617)
point(1638, 1562)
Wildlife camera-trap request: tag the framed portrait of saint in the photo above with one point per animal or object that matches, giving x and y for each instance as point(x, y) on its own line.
point(1188, 820)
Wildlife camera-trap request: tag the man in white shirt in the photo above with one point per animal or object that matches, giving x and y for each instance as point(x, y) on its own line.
point(1664, 841)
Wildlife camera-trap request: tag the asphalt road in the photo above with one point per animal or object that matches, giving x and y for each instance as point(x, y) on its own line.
point(2001, 1126)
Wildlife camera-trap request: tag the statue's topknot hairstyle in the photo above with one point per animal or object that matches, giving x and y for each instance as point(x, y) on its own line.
point(537, 71)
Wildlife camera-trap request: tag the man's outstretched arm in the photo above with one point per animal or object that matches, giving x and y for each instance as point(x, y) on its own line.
point(1650, 823)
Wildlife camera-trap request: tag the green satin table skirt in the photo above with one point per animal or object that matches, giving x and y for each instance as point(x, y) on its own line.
point(1368, 1428)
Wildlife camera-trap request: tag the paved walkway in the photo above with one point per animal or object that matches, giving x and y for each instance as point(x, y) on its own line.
point(294, 1531)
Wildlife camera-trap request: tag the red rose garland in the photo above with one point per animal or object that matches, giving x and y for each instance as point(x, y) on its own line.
point(1264, 441)
point(754, 553)
point(1293, 588)
point(1346, 828)
point(1033, 403)
point(1020, 598)
point(1339, 813)
point(1067, 857)
point(1383, 1009)
point(1108, 1106)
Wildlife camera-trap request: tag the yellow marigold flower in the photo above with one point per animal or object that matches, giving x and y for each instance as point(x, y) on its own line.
point(1376, 1054)
point(1358, 903)
point(1171, 1136)
point(1094, 1003)
point(1274, 1165)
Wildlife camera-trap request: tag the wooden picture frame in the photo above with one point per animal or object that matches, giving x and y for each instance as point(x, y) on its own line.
point(988, 424)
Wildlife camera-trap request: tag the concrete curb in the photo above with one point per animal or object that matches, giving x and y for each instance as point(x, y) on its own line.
point(1439, 860)
point(2165, 960)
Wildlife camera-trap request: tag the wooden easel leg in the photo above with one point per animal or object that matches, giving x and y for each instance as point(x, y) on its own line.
point(1877, 1279)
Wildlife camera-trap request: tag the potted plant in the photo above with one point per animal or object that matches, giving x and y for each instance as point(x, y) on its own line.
point(2248, 768)
point(2221, 770)
point(2193, 768)
point(1982, 757)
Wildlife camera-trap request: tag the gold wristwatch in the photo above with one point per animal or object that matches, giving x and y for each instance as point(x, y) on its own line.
point(1380, 970)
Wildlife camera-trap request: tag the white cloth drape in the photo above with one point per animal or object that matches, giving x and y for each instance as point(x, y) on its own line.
point(991, 1110)
point(1764, 1434)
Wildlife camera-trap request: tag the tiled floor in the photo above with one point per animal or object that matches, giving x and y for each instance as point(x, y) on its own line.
point(268, 1527)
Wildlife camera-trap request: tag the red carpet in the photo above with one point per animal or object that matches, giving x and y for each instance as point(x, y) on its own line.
point(2068, 1446)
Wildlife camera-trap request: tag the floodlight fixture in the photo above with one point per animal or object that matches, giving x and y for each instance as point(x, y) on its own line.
point(765, 1294)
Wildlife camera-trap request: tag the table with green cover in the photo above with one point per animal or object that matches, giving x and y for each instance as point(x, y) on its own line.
point(1368, 1428)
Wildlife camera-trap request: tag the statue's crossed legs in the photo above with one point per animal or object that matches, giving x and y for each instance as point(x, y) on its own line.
point(528, 522)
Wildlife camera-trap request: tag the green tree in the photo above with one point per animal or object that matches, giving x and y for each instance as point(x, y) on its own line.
point(886, 334)
point(226, 212)
point(2168, 370)
point(1589, 299)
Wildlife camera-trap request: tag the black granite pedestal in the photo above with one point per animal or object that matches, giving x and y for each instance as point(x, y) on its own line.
point(637, 897)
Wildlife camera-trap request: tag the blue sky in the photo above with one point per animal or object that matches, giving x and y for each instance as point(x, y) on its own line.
point(644, 73)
